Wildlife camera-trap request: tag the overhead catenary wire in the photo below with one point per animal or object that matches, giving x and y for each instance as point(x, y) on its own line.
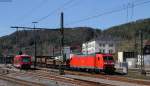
point(108, 12)
point(130, 10)
point(32, 10)
point(72, 5)
point(132, 14)
point(127, 16)
point(55, 10)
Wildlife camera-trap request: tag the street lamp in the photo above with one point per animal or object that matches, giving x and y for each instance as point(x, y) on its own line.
point(35, 59)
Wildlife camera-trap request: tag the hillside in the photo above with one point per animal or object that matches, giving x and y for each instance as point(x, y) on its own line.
point(46, 40)
point(130, 30)
point(129, 34)
point(49, 40)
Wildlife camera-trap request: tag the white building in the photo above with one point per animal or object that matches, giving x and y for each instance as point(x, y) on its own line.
point(66, 53)
point(97, 45)
point(127, 57)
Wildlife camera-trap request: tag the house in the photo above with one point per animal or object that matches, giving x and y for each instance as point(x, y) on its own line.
point(99, 45)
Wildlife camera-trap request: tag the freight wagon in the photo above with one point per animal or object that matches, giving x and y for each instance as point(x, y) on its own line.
point(49, 61)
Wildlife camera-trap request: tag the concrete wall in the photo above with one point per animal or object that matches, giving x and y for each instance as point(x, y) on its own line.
point(131, 62)
point(120, 57)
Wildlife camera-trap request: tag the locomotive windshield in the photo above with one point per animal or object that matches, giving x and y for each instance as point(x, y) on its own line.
point(108, 58)
point(26, 59)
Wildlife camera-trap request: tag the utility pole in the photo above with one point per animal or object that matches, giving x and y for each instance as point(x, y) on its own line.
point(62, 34)
point(135, 47)
point(61, 70)
point(35, 59)
point(17, 40)
point(53, 51)
point(141, 52)
point(17, 36)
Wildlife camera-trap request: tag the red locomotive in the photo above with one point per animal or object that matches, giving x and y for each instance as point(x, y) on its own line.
point(22, 61)
point(98, 62)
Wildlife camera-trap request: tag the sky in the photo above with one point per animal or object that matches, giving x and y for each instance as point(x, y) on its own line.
point(98, 12)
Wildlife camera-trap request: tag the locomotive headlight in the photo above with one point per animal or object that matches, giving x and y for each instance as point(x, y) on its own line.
point(112, 63)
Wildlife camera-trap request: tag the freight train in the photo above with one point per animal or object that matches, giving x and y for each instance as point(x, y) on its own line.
point(22, 61)
point(97, 63)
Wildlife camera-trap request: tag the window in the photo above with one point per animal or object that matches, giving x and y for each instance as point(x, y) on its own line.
point(26, 59)
point(110, 45)
point(103, 45)
point(108, 58)
point(110, 51)
point(100, 50)
point(103, 50)
point(100, 44)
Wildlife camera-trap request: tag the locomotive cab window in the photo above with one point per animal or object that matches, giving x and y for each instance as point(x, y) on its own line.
point(26, 59)
point(108, 58)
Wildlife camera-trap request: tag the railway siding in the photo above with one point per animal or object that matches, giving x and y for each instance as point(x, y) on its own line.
point(40, 79)
point(16, 77)
point(19, 81)
point(105, 81)
point(53, 80)
point(50, 77)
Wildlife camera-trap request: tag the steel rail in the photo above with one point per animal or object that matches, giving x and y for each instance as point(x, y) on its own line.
point(19, 81)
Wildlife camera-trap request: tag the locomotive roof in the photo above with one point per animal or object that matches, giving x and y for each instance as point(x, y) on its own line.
point(92, 54)
point(22, 55)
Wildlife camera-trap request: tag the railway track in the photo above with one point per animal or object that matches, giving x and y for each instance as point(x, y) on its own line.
point(112, 77)
point(19, 81)
point(53, 74)
point(46, 75)
point(107, 77)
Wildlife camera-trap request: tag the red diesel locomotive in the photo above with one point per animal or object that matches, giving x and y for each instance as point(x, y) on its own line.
point(22, 61)
point(98, 62)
